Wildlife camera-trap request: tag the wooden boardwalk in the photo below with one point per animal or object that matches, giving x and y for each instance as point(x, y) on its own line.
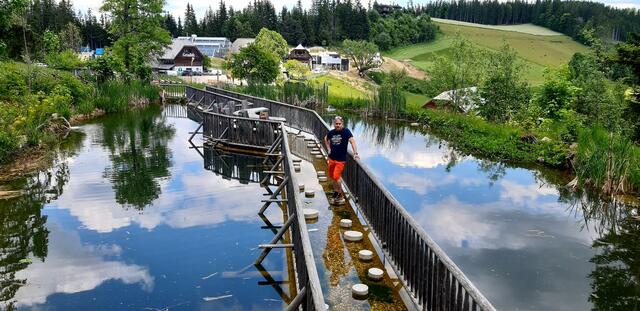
point(432, 278)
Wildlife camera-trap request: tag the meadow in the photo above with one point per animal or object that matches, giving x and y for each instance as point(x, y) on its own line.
point(536, 50)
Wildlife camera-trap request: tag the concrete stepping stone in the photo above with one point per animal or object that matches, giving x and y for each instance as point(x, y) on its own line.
point(365, 254)
point(321, 173)
point(310, 213)
point(360, 289)
point(309, 193)
point(345, 223)
point(375, 274)
point(353, 236)
point(319, 156)
point(301, 187)
point(322, 179)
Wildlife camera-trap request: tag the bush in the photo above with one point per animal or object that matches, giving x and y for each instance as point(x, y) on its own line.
point(65, 60)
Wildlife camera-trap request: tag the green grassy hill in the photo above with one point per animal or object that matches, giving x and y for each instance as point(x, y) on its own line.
point(538, 51)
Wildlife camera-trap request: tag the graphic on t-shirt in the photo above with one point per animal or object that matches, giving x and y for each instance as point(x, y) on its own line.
point(336, 140)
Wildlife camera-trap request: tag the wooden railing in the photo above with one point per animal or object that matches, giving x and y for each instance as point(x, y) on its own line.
point(428, 273)
point(173, 90)
point(306, 271)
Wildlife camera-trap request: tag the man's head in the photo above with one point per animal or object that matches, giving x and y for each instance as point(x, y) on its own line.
point(338, 123)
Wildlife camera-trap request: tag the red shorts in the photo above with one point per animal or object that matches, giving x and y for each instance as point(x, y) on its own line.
point(335, 169)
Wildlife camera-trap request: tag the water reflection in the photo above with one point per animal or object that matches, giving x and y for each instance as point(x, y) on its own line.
point(615, 281)
point(24, 236)
point(241, 167)
point(139, 155)
point(526, 239)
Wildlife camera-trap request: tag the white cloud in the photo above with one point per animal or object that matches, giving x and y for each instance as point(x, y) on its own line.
point(419, 184)
point(521, 194)
point(71, 267)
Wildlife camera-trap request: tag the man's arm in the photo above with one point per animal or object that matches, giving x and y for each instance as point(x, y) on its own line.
point(327, 144)
point(352, 140)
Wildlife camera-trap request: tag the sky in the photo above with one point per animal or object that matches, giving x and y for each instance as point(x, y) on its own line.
point(177, 7)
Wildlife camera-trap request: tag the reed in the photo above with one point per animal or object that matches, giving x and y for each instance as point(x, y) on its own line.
point(606, 161)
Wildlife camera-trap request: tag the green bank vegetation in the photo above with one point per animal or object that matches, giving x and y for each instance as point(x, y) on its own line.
point(51, 87)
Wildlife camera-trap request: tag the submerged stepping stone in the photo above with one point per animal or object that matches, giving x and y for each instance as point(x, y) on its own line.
point(316, 152)
point(375, 274)
point(353, 236)
point(319, 156)
point(310, 213)
point(322, 179)
point(297, 161)
point(309, 193)
point(365, 254)
point(360, 290)
point(345, 223)
point(301, 187)
point(321, 173)
point(296, 169)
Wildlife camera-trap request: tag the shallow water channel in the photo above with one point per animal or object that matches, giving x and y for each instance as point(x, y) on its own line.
point(129, 217)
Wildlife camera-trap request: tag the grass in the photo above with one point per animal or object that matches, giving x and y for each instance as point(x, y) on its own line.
point(607, 162)
point(537, 51)
point(523, 28)
point(498, 142)
point(339, 88)
point(415, 101)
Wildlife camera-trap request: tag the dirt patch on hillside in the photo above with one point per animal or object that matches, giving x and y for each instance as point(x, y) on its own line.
point(391, 64)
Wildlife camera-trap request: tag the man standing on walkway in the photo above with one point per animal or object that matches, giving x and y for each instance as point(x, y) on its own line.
point(336, 141)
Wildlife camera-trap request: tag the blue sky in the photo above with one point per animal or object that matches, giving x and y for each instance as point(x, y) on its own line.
point(177, 7)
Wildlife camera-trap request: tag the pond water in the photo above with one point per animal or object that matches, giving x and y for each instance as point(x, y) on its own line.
point(517, 233)
point(128, 218)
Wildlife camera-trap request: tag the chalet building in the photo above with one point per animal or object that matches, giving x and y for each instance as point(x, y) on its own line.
point(182, 55)
point(210, 46)
point(300, 54)
point(329, 61)
point(467, 100)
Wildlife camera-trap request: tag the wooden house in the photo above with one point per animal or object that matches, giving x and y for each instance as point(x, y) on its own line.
point(300, 54)
point(462, 100)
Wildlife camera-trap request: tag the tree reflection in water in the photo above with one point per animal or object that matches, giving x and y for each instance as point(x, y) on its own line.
point(23, 234)
point(615, 281)
point(140, 157)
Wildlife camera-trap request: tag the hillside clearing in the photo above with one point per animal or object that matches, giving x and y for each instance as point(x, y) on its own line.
point(523, 28)
point(537, 51)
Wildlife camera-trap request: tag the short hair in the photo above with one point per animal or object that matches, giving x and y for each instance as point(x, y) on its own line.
point(337, 118)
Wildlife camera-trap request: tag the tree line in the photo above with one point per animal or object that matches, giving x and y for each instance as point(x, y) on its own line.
point(568, 17)
point(23, 34)
point(325, 23)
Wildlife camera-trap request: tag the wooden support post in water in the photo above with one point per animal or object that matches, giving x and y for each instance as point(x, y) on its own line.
point(274, 195)
point(196, 131)
point(297, 300)
point(275, 239)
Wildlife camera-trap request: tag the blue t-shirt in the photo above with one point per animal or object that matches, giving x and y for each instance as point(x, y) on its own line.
point(339, 140)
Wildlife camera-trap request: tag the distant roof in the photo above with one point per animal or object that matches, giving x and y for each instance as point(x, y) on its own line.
point(175, 47)
point(204, 38)
point(465, 95)
point(299, 47)
point(240, 43)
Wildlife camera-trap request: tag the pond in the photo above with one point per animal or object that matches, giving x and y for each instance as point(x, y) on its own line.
point(128, 218)
point(519, 234)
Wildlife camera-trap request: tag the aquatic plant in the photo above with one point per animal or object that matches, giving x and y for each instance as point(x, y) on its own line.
point(606, 161)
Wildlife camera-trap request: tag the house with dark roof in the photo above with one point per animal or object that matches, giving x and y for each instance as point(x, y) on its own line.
point(300, 54)
point(182, 55)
